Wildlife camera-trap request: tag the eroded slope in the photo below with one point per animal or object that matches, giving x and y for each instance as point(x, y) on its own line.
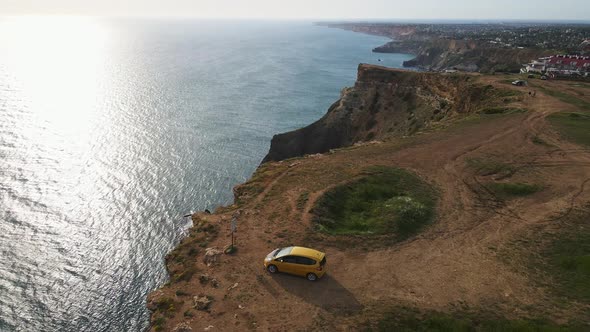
point(387, 103)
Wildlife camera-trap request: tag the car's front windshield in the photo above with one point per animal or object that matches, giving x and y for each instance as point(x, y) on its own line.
point(283, 252)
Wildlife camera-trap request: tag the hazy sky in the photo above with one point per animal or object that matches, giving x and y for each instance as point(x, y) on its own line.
point(404, 9)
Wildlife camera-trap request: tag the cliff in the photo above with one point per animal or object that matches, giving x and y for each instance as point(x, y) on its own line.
point(463, 55)
point(473, 57)
point(385, 103)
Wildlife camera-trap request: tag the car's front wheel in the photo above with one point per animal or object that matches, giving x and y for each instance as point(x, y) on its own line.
point(312, 277)
point(272, 269)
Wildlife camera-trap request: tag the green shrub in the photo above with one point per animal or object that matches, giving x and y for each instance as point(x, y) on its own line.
point(568, 259)
point(159, 323)
point(485, 167)
point(573, 126)
point(186, 275)
point(405, 319)
point(384, 201)
point(164, 303)
point(193, 251)
point(513, 189)
point(410, 213)
point(567, 98)
point(502, 110)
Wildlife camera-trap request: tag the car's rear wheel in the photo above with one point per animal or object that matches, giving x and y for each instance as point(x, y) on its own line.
point(272, 269)
point(312, 277)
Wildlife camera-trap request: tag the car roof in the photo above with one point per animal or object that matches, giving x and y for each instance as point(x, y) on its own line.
point(307, 252)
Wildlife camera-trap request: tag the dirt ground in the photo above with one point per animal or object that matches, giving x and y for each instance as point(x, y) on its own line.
point(454, 263)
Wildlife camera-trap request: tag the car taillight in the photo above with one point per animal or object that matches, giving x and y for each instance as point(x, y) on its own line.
point(319, 268)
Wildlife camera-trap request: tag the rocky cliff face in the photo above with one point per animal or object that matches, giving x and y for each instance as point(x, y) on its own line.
point(474, 58)
point(384, 103)
point(464, 55)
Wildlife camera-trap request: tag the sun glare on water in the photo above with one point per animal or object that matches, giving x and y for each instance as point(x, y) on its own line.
point(55, 65)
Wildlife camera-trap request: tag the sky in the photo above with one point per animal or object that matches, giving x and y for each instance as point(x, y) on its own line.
point(309, 9)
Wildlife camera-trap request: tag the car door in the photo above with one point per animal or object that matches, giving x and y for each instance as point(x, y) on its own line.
point(288, 264)
point(304, 265)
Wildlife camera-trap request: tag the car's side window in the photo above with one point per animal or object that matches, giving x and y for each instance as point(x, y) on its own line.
point(289, 259)
point(305, 260)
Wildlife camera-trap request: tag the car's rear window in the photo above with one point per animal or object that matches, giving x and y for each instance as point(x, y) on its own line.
point(323, 261)
point(283, 252)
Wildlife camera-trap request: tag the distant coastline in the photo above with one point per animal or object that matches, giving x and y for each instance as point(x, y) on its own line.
point(486, 47)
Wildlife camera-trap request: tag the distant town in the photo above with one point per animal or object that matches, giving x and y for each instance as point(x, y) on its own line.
point(553, 50)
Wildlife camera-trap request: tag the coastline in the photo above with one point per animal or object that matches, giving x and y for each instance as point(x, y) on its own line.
point(434, 52)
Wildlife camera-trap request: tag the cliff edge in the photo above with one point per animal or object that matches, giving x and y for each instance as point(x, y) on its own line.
point(385, 103)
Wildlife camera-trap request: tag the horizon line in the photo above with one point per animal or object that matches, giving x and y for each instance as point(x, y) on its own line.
point(312, 19)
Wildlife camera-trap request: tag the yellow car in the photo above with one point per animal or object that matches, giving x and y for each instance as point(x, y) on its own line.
point(299, 261)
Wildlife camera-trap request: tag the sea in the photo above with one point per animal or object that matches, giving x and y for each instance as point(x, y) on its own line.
point(112, 130)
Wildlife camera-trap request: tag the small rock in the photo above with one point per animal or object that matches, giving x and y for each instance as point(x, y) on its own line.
point(215, 283)
point(204, 278)
point(211, 255)
point(208, 328)
point(233, 286)
point(152, 302)
point(201, 302)
point(182, 327)
point(151, 305)
point(241, 306)
point(229, 249)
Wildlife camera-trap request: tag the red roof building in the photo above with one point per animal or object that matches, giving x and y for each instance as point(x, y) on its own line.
point(572, 62)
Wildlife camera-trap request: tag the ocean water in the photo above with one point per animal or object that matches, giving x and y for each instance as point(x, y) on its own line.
point(112, 130)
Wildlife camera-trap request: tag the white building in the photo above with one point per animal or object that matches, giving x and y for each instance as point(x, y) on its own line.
point(537, 66)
